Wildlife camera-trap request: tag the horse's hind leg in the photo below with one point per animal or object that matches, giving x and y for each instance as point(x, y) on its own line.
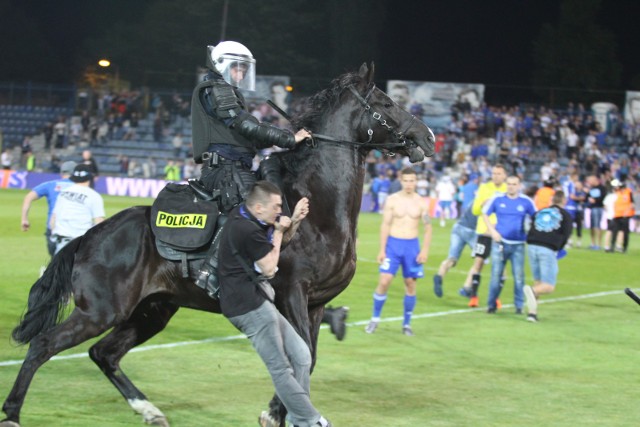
point(146, 321)
point(77, 328)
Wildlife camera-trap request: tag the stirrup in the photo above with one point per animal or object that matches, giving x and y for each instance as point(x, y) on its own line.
point(208, 280)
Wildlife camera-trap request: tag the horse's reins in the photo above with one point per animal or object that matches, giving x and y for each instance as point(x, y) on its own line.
point(377, 117)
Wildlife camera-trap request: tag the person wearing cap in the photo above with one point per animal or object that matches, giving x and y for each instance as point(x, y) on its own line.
point(78, 208)
point(50, 191)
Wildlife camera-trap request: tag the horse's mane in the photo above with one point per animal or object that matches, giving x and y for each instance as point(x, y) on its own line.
point(310, 115)
point(313, 108)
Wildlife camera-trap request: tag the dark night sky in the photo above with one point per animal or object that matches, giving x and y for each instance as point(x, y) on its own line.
point(485, 41)
point(489, 41)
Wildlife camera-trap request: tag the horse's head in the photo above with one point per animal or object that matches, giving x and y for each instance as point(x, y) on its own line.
point(387, 126)
point(354, 111)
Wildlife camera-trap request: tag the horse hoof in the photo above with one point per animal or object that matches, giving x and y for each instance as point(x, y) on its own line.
point(7, 423)
point(157, 421)
point(266, 420)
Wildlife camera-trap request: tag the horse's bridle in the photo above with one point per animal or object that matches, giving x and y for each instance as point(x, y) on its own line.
point(377, 118)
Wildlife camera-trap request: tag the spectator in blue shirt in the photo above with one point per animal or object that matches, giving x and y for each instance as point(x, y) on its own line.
point(509, 237)
point(50, 190)
point(468, 191)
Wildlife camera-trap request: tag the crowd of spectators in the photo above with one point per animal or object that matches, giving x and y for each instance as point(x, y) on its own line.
point(533, 142)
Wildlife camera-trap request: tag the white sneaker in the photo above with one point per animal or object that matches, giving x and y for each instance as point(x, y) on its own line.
point(371, 327)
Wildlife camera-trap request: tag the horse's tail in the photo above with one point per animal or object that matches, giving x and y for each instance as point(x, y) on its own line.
point(48, 296)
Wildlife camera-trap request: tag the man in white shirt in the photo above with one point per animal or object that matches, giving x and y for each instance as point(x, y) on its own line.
point(445, 190)
point(77, 209)
point(7, 159)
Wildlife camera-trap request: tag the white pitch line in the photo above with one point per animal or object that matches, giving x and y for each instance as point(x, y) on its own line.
point(358, 323)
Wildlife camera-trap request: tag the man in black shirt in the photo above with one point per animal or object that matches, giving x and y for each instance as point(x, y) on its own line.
point(249, 254)
point(550, 230)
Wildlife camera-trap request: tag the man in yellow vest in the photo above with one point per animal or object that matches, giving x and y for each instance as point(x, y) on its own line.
point(623, 211)
point(482, 250)
point(543, 196)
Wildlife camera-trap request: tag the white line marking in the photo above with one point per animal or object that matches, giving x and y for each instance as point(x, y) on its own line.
point(358, 323)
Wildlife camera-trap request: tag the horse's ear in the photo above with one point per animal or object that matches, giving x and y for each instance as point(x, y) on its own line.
point(366, 72)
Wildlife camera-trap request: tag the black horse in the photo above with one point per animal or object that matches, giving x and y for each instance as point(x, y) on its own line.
point(118, 280)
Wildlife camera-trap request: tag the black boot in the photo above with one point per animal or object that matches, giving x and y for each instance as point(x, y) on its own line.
point(271, 170)
point(208, 274)
point(336, 318)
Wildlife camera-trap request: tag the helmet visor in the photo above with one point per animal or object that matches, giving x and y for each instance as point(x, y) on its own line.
point(238, 71)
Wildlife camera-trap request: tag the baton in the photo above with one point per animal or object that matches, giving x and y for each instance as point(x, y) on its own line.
point(279, 110)
point(632, 295)
point(287, 116)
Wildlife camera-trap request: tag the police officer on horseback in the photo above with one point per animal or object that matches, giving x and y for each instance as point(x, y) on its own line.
point(226, 137)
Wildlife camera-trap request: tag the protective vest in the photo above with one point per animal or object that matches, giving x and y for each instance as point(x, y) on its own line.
point(623, 205)
point(207, 130)
point(485, 192)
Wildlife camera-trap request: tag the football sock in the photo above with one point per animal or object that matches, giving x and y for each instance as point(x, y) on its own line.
point(378, 303)
point(475, 284)
point(409, 305)
point(532, 304)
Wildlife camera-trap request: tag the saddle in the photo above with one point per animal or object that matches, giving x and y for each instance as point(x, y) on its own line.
point(183, 220)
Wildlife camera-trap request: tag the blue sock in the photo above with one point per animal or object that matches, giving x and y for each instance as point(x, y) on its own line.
point(409, 304)
point(378, 303)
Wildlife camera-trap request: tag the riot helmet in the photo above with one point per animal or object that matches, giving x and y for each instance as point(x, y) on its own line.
point(234, 62)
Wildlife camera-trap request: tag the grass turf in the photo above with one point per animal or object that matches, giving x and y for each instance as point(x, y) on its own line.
point(463, 367)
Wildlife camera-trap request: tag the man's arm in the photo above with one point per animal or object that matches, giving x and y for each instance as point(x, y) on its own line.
point(26, 205)
point(426, 240)
point(268, 264)
point(567, 227)
point(486, 213)
point(97, 211)
point(300, 212)
point(476, 208)
point(385, 228)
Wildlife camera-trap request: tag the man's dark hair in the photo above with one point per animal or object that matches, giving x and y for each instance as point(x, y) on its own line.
point(558, 198)
point(261, 193)
point(408, 171)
